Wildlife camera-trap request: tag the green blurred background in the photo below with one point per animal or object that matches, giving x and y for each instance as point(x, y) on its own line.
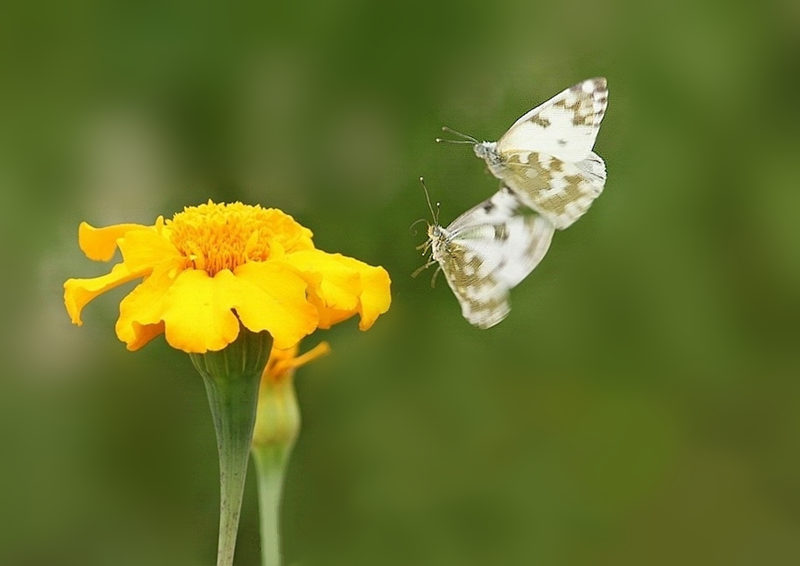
point(639, 405)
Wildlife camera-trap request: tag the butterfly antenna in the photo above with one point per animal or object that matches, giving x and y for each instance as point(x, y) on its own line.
point(460, 142)
point(464, 137)
point(435, 215)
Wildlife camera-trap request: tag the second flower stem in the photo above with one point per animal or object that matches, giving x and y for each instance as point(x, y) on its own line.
point(270, 468)
point(277, 426)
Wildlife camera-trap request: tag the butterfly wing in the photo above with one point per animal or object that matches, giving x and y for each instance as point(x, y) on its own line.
point(490, 249)
point(483, 300)
point(560, 191)
point(565, 126)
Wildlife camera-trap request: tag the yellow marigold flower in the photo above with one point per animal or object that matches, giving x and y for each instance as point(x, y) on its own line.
point(215, 266)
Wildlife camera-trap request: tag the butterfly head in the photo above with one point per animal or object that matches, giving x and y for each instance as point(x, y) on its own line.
point(436, 234)
point(487, 151)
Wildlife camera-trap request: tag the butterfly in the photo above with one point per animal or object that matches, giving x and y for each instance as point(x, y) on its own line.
point(546, 156)
point(486, 252)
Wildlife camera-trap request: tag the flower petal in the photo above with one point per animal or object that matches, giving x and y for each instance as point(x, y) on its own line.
point(141, 312)
point(282, 363)
point(327, 316)
point(100, 244)
point(146, 249)
point(343, 286)
point(79, 292)
point(143, 333)
point(198, 314)
point(268, 296)
point(330, 276)
point(375, 296)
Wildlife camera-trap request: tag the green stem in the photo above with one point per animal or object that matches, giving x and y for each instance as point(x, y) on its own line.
point(231, 377)
point(277, 427)
point(270, 468)
point(233, 408)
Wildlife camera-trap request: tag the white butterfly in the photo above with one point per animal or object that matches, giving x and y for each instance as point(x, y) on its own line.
point(546, 156)
point(487, 251)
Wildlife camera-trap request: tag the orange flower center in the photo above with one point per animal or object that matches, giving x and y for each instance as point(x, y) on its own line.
point(221, 236)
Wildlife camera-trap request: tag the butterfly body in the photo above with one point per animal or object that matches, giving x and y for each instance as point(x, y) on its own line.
point(546, 156)
point(487, 251)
